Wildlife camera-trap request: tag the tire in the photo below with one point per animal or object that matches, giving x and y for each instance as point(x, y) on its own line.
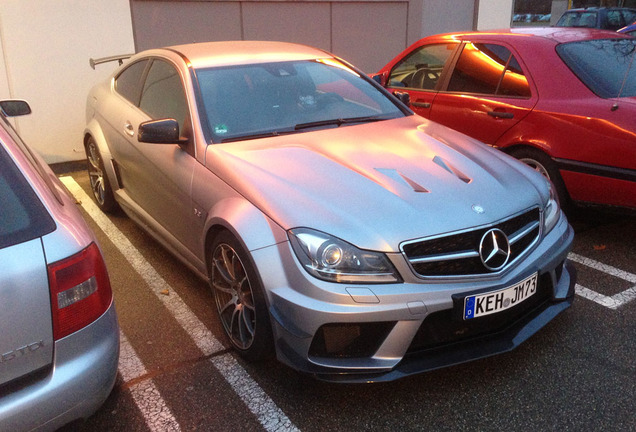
point(239, 298)
point(544, 165)
point(100, 186)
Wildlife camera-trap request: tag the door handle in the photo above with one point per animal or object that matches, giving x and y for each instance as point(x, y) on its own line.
point(500, 114)
point(421, 104)
point(129, 129)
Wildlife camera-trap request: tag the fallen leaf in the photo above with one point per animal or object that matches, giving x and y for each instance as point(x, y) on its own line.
point(165, 292)
point(600, 247)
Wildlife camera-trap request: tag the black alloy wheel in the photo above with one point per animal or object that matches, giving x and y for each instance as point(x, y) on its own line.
point(100, 186)
point(239, 298)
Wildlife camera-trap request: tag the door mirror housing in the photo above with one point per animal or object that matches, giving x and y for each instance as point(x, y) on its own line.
point(164, 131)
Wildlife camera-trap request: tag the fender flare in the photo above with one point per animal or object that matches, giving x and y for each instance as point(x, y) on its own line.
point(251, 227)
point(94, 130)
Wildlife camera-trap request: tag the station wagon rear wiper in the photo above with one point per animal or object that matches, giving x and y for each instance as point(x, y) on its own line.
point(338, 122)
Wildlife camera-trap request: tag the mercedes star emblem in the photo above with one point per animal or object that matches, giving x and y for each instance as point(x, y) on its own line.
point(494, 249)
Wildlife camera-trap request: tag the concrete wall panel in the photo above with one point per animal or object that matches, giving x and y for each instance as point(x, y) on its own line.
point(307, 23)
point(369, 34)
point(160, 23)
point(46, 47)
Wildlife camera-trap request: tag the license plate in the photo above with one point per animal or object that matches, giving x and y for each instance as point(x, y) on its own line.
point(496, 301)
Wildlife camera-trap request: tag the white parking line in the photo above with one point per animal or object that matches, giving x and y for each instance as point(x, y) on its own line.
point(271, 417)
point(146, 395)
point(612, 302)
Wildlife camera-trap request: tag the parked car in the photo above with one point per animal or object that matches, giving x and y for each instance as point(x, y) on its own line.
point(560, 100)
point(59, 337)
point(629, 30)
point(356, 239)
point(597, 17)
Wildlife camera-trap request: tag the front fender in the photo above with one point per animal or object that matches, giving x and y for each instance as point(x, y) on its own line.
point(247, 223)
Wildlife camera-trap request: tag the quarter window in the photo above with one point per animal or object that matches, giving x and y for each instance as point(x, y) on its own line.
point(128, 83)
point(422, 68)
point(488, 69)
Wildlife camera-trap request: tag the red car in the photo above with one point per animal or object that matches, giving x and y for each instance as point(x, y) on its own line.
point(562, 100)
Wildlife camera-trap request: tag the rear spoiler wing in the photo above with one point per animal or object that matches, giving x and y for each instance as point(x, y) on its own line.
point(120, 58)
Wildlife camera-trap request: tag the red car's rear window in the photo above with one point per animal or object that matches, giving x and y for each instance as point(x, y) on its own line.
point(605, 66)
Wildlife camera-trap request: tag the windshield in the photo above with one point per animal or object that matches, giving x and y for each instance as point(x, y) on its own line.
point(604, 65)
point(289, 97)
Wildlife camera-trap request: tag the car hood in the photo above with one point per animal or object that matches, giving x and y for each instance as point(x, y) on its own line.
point(378, 184)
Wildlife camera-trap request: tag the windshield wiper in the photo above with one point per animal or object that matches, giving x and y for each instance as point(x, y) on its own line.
point(257, 136)
point(338, 122)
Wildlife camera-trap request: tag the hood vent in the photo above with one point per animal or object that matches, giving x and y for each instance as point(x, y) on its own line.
point(400, 178)
point(451, 169)
point(416, 187)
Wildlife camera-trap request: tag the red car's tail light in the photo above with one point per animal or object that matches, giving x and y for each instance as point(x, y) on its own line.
point(80, 291)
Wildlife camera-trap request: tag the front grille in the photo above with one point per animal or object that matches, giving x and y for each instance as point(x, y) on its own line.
point(446, 327)
point(457, 254)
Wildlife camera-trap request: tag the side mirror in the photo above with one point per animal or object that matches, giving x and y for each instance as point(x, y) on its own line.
point(403, 97)
point(164, 131)
point(14, 108)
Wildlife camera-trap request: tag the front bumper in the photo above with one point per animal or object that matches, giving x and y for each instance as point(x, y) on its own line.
point(352, 333)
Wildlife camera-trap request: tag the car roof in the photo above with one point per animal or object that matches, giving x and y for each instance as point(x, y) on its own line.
point(215, 54)
point(555, 34)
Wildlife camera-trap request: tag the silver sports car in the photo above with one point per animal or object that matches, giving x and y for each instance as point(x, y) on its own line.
point(354, 239)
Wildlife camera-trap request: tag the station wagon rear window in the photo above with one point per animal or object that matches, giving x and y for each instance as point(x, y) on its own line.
point(605, 66)
point(22, 215)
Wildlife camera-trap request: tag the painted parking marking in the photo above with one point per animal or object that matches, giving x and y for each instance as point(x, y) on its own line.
point(611, 302)
point(153, 408)
point(271, 417)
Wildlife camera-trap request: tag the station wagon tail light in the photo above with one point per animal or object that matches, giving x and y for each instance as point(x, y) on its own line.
point(80, 291)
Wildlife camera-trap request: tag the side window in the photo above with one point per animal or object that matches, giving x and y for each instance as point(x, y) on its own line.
point(128, 83)
point(614, 20)
point(163, 95)
point(488, 69)
point(422, 68)
point(628, 16)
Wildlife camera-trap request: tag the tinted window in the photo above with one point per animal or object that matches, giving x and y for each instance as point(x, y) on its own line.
point(605, 66)
point(243, 101)
point(128, 83)
point(22, 215)
point(488, 69)
point(578, 19)
point(614, 20)
point(163, 95)
point(629, 16)
point(422, 68)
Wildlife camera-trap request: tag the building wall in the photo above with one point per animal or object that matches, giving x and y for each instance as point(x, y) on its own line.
point(367, 33)
point(45, 47)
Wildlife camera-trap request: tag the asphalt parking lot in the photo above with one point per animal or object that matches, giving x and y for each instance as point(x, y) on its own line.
point(176, 372)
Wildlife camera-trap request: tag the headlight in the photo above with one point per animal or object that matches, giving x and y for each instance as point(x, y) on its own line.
point(552, 211)
point(334, 260)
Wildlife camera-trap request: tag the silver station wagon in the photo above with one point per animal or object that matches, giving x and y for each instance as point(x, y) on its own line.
point(353, 238)
point(59, 337)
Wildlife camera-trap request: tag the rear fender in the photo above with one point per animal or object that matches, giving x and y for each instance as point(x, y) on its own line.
point(94, 130)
